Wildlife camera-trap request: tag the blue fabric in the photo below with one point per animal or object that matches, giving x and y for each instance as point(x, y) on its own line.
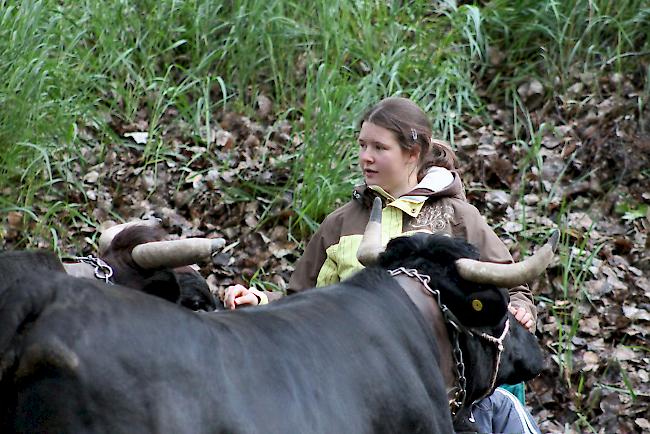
point(517, 390)
point(502, 413)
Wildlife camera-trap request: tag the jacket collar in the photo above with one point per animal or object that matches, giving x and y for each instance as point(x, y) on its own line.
point(437, 183)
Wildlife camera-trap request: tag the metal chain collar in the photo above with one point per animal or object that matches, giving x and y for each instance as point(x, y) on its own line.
point(461, 389)
point(103, 271)
point(456, 327)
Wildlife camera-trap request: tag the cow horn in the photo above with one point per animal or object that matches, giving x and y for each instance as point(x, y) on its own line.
point(108, 234)
point(509, 275)
point(370, 246)
point(175, 253)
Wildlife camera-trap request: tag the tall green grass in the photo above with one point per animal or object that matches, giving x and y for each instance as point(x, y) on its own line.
point(85, 64)
point(576, 257)
point(577, 253)
point(36, 115)
point(557, 40)
point(81, 64)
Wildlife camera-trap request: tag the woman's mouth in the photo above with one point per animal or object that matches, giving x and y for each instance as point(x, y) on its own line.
point(369, 172)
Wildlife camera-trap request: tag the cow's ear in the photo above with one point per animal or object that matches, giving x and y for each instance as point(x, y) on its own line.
point(163, 284)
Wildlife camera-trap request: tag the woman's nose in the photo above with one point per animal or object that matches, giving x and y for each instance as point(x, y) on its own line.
point(365, 156)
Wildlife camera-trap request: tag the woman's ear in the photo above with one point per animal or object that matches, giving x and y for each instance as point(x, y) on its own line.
point(414, 153)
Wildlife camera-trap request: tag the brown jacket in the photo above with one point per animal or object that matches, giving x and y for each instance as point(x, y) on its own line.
point(330, 255)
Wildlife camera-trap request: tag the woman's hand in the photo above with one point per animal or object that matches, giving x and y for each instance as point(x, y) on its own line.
point(238, 295)
point(524, 317)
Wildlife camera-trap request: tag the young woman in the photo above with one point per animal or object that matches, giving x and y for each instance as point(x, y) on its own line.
point(415, 176)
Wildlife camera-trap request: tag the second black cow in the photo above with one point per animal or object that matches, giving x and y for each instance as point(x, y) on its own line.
point(136, 255)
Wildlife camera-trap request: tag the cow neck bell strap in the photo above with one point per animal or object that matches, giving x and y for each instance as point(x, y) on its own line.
point(102, 271)
point(458, 399)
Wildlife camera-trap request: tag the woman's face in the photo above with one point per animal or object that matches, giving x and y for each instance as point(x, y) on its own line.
point(384, 162)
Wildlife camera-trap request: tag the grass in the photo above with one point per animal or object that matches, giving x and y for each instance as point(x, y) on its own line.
point(575, 260)
point(90, 65)
point(577, 252)
point(558, 40)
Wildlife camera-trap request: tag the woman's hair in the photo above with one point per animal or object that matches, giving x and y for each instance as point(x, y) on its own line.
point(411, 128)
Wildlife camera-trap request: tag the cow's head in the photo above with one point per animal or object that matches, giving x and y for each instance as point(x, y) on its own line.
point(485, 366)
point(436, 257)
point(474, 292)
point(195, 292)
point(479, 307)
point(142, 260)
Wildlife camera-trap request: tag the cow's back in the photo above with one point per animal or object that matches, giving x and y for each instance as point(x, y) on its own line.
point(345, 359)
point(98, 359)
point(79, 357)
point(18, 263)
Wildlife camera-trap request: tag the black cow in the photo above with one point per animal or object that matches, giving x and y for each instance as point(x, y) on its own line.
point(185, 285)
point(179, 284)
point(360, 356)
